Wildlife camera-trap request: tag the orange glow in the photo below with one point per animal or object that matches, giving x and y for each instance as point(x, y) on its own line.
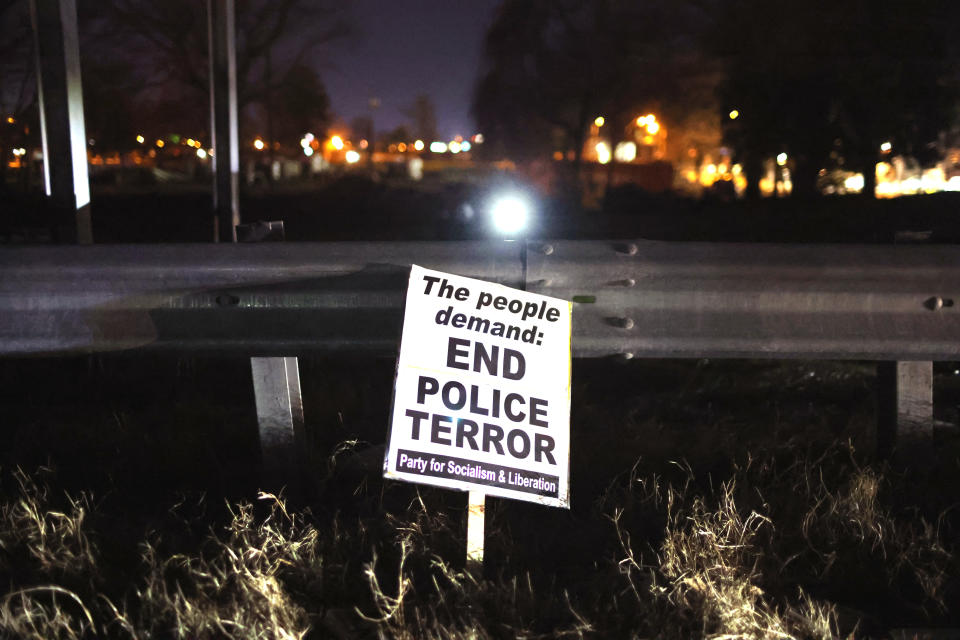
point(402, 147)
point(337, 142)
point(160, 144)
point(558, 155)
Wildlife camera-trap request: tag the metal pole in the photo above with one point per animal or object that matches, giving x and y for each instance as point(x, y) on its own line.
point(61, 116)
point(223, 116)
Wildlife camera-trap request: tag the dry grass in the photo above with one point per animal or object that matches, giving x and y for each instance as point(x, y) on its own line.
point(680, 556)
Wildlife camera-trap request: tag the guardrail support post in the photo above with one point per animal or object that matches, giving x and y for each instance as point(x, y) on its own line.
point(905, 407)
point(276, 387)
point(62, 128)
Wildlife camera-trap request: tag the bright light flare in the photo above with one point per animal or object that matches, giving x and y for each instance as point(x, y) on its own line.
point(258, 144)
point(782, 159)
point(454, 147)
point(603, 152)
point(337, 142)
point(353, 157)
point(465, 146)
point(599, 121)
point(201, 154)
point(418, 145)
point(140, 139)
point(510, 214)
point(734, 114)
point(625, 152)
point(653, 127)
point(438, 147)
point(160, 144)
point(886, 147)
point(308, 150)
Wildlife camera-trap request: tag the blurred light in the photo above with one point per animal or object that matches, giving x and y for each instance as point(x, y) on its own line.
point(653, 127)
point(189, 142)
point(197, 144)
point(782, 159)
point(201, 154)
point(625, 152)
point(734, 114)
point(10, 120)
point(478, 139)
point(438, 147)
point(711, 169)
point(454, 147)
point(854, 182)
point(353, 157)
point(308, 150)
point(465, 146)
point(737, 169)
point(309, 137)
point(509, 214)
point(364, 144)
point(140, 139)
point(603, 152)
point(337, 142)
point(886, 147)
point(258, 144)
point(599, 121)
point(91, 142)
point(304, 142)
point(558, 155)
point(642, 121)
point(418, 145)
point(175, 138)
point(160, 144)
point(402, 147)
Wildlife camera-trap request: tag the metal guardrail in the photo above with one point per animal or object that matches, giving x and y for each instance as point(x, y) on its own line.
point(633, 299)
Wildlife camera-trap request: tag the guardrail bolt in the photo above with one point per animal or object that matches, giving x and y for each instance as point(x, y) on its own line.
point(623, 323)
point(936, 303)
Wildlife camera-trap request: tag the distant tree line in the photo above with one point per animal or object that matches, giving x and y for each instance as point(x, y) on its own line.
point(826, 82)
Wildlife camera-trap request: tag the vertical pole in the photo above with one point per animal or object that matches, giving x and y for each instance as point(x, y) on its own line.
point(476, 506)
point(223, 116)
point(276, 381)
point(62, 128)
point(276, 387)
point(905, 408)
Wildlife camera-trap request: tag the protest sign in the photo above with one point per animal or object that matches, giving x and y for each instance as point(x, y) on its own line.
point(482, 392)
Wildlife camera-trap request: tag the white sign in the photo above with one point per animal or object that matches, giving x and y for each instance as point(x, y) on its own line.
point(482, 396)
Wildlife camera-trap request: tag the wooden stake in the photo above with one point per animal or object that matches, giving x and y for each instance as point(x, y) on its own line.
point(476, 505)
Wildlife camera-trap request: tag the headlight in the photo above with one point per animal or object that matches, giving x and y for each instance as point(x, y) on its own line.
point(510, 214)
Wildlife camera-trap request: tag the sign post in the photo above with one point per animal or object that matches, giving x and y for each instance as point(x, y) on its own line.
point(482, 394)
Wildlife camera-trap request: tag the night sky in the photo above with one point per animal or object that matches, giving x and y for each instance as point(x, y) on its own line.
point(406, 47)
